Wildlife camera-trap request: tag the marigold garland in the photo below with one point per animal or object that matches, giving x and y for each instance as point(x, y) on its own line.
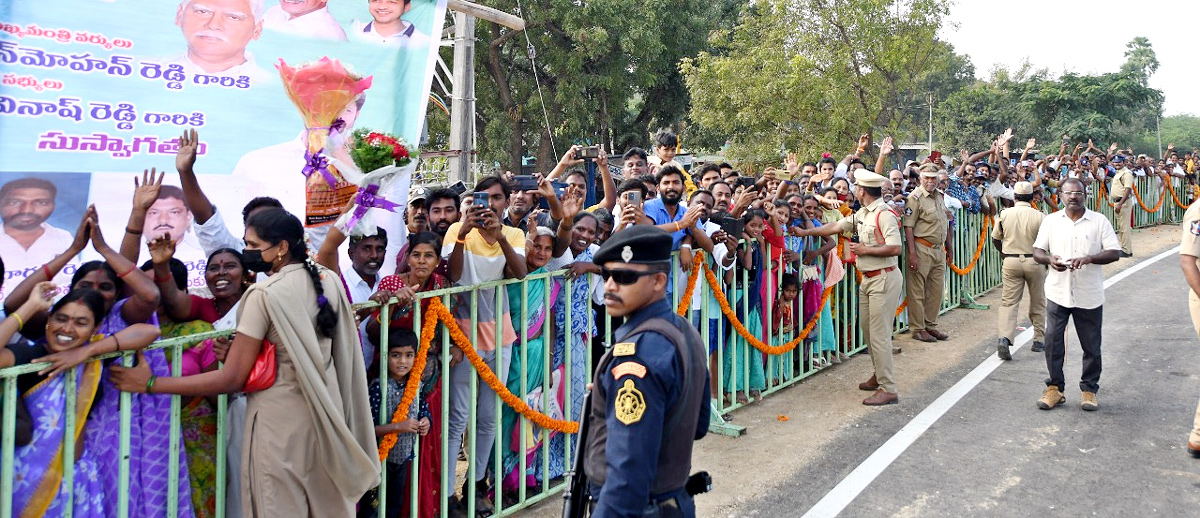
point(1175, 197)
point(741, 328)
point(410, 387)
point(987, 224)
point(685, 302)
point(1138, 197)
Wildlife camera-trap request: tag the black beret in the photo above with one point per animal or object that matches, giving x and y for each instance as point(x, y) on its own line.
point(641, 244)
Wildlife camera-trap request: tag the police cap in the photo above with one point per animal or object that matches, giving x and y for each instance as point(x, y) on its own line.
point(639, 244)
point(864, 178)
point(1023, 188)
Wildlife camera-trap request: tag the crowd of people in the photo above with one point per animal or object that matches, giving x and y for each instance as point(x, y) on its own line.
point(300, 347)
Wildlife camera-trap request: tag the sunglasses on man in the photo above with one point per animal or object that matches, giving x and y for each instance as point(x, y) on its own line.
point(626, 277)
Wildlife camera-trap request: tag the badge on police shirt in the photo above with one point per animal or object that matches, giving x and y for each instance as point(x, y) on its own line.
point(1195, 228)
point(628, 369)
point(629, 404)
point(908, 211)
point(625, 349)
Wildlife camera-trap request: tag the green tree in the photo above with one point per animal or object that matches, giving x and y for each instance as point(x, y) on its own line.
point(1140, 59)
point(608, 71)
point(812, 75)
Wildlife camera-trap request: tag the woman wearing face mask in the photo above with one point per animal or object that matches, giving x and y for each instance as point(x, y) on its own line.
point(69, 340)
point(130, 296)
point(227, 279)
point(309, 446)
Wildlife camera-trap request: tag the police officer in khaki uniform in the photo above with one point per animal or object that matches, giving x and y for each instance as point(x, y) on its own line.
point(876, 241)
point(926, 229)
point(1122, 191)
point(1013, 234)
point(1189, 261)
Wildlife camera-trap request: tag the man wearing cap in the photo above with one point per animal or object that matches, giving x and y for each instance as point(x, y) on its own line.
point(1013, 234)
point(650, 397)
point(926, 226)
point(875, 239)
point(416, 215)
point(1122, 183)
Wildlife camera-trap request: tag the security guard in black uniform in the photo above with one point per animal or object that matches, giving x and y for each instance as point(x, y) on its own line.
point(650, 392)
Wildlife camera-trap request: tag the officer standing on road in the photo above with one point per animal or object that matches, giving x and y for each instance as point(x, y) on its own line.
point(876, 241)
point(1013, 234)
point(650, 398)
point(926, 229)
point(1189, 261)
point(1122, 186)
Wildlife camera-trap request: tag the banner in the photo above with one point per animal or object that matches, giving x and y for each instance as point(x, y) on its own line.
point(94, 91)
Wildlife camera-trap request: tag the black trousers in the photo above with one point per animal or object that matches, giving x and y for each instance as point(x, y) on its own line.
point(1087, 326)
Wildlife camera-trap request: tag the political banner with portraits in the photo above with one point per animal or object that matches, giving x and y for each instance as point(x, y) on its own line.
point(92, 92)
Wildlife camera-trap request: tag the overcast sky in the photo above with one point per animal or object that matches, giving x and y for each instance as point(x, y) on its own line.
point(1083, 37)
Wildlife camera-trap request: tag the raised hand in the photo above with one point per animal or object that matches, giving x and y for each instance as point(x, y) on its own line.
point(572, 203)
point(568, 159)
point(1004, 137)
point(886, 147)
point(82, 234)
point(1030, 144)
point(146, 193)
point(94, 227)
point(162, 249)
point(792, 163)
point(42, 297)
point(864, 141)
point(964, 155)
point(185, 156)
point(1112, 147)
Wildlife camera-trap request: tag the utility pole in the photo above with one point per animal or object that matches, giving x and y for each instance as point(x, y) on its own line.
point(462, 103)
point(931, 122)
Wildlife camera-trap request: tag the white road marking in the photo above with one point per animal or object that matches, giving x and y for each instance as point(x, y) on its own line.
point(850, 487)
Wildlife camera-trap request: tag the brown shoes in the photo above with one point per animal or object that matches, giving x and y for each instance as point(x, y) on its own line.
point(882, 397)
point(937, 334)
point(1051, 398)
point(869, 385)
point(1088, 402)
point(923, 336)
point(1194, 449)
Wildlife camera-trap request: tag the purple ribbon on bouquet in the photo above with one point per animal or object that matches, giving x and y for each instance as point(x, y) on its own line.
point(368, 198)
point(318, 163)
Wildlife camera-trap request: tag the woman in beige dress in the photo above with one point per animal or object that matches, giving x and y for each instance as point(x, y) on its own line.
point(309, 440)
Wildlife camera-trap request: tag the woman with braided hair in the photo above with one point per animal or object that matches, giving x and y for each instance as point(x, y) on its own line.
point(309, 446)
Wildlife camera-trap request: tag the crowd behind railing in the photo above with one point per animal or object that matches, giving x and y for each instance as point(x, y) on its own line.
point(479, 348)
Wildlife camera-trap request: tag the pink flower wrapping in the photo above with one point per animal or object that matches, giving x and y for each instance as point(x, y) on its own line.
point(321, 91)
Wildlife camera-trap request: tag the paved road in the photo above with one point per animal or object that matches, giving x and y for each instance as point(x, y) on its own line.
point(995, 454)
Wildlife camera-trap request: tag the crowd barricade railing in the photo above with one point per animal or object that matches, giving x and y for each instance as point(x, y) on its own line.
point(567, 350)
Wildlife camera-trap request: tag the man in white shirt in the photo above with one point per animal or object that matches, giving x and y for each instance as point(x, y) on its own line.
point(309, 18)
point(388, 28)
point(217, 33)
point(28, 241)
point(1074, 242)
point(169, 216)
point(366, 258)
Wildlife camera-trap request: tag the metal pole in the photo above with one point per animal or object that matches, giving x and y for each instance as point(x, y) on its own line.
point(462, 104)
point(930, 122)
point(1158, 129)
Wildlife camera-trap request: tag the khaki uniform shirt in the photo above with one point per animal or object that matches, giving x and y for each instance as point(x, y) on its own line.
point(1121, 183)
point(1190, 243)
point(869, 234)
point(1017, 227)
point(926, 214)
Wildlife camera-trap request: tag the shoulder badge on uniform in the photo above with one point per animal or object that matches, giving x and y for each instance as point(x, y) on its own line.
point(629, 405)
point(625, 349)
point(1195, 228)
point(629, 368)
point(908, 211)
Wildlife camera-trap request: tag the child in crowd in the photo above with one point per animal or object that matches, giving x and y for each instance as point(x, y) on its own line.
point(401, 355)
point(743, 369)
point(783, 326)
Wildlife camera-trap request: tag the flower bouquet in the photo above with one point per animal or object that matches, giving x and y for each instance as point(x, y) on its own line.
point(322, 91)
point(384, 158)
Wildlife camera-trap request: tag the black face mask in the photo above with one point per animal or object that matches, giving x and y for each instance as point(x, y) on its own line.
point(253, 261)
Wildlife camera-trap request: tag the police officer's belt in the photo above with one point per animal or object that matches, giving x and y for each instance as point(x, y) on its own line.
point(871, 273)
point(926, 242)
point(1016, 255)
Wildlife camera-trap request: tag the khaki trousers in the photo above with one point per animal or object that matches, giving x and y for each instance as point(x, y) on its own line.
point(1194, 306)
point(1018, 272)
point(925, 286)
point(878, 298)
point(1125, 227)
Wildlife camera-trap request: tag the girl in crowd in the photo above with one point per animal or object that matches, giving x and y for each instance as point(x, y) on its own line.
point(309, 447)
point(130, 296)
point(227, 279)
point(774, 231)
point(69, 341)
point(529, 314)
point(741, 359)
point(423, 259)
point(816, 267)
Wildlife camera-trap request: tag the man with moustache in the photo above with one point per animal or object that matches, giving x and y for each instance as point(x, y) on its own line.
point(169, 216)
point(650, 399)
point(217, 33)
point(722, 196)
point(366, 258)
point(520, 213)
point(387, 27)
point(28, 241)
point(309, 18)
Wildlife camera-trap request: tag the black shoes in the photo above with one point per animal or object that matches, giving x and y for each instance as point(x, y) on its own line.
point(1038, 347)
point(1002, 349)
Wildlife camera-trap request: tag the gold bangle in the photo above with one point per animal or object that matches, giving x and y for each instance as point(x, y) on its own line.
point(20, 321)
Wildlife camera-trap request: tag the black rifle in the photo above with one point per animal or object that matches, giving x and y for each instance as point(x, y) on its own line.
point(575, 498)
